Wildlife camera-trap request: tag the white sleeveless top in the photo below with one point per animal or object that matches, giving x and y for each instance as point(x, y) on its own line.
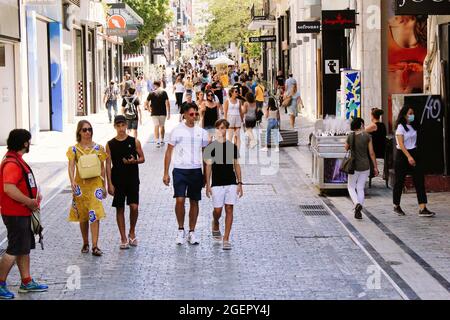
point(234, 109)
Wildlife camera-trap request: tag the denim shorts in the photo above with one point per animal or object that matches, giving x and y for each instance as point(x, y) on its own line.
point(188, 183)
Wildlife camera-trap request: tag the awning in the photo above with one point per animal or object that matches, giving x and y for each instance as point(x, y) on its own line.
point(133, 60)
point(125, 11)
point(222, 61)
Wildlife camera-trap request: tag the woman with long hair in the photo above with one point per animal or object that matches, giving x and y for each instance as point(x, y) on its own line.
point(234, 115)
point(273, 124)
point(179, 90)
point(249, 109)
point(209, 113)
point(88, 194)
point(408, 160)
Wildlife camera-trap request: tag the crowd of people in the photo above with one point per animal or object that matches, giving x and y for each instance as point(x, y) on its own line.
point(203, 150)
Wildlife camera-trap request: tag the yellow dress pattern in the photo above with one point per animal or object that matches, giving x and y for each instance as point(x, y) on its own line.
point(87, 201)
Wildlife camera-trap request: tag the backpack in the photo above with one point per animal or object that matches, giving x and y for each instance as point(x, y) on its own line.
point(130, 109)
point(89, 165)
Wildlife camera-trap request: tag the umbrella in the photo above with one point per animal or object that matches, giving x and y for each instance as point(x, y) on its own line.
point(222, 60)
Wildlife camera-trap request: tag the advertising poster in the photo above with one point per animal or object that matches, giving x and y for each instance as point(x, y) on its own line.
point(351, 93)
point(407, 50)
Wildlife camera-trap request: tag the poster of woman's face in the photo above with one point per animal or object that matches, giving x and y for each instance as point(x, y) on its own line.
point(407, 50)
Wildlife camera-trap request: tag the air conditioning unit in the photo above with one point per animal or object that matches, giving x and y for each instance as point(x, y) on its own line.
point(313, 9)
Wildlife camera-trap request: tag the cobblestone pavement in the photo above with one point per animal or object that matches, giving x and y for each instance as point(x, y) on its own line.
point(278, 251)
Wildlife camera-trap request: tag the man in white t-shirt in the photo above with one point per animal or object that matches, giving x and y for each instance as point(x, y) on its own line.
point(186, 146)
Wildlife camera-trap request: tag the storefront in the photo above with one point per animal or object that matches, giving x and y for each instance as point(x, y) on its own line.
point(419, 76)
point(9, 39)
point(45, 79)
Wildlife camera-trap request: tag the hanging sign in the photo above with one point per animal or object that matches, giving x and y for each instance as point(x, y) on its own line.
point(422, 7)
point(339, 19)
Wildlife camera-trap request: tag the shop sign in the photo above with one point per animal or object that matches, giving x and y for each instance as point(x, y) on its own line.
point(308, 26)
point(263, 39)
point(339, 19)
point(422, 7)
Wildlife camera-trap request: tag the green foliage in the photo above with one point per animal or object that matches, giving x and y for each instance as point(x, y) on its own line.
point(156, 15)
point(229, 23)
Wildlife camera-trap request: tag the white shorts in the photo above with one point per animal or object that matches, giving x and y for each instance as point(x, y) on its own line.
point(235, 121)
point(224, 195)
point(159, 121)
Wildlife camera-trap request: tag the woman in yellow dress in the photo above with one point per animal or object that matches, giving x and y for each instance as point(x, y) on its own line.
point(87, 207)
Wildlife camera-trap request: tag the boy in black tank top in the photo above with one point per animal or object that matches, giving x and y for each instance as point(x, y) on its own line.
point(122, 168)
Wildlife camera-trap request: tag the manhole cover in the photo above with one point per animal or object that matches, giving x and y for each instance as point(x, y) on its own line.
point(313, 210)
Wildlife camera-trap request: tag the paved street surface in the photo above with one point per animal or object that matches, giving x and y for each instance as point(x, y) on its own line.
point(281, 249)
point(278, 252)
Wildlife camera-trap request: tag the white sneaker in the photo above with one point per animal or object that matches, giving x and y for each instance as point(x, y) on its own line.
point(264, 149)
point(181, 237)
point(276, 149)
point(193, 239)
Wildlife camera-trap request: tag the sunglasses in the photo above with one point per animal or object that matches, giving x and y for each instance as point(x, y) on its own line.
point(86, 130)
point(194, 114)
point(210, 95)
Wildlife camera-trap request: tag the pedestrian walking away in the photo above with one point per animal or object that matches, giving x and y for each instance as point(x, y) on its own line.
point(222, 165)
point(131, 109)
point(272, 114)
point(378, 131)
point(87, 176)
point(408, 160)
point(19, 197)
point(112, 94)
point(122, 167)
point(158, 105)
point(186, 145)
point(360, 144)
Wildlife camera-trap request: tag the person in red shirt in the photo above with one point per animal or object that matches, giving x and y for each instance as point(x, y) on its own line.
point(16, 205)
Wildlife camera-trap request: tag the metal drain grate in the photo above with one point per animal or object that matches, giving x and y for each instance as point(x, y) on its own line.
point(314, 210)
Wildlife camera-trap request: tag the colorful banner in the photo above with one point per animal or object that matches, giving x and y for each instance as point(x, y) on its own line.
point(351, 93)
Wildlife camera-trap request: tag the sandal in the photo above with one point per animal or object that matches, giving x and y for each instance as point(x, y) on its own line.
point(217, 235)
point(97, 252)
point(85, 248)
point(226, 245)
point(124, 246)
point(133, 242)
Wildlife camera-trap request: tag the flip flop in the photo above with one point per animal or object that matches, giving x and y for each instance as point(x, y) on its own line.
point(124, 246)
point(226, 245)
point(133, 242)
point(85, 249)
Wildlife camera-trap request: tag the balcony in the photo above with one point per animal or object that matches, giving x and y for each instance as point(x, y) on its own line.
point(261, 17)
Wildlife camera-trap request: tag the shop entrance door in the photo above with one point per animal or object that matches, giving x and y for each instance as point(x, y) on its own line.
point(43, 76)
point(444, 38)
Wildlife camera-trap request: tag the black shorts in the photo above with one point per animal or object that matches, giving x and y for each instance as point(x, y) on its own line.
point(20, 237)
point(133, 124)
point(188, 183)
point(250, 124)
point(130, 193)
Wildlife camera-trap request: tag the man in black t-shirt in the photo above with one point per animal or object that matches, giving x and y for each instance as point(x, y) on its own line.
point(222, 163)
point(159, 106)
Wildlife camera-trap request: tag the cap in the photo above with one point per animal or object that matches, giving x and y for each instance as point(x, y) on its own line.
point(120, 119)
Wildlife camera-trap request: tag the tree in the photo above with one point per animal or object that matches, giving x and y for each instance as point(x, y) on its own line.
point(156, 15)
point(229, 23)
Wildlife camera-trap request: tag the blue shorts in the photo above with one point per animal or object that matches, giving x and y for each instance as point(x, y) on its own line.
point(188, 183)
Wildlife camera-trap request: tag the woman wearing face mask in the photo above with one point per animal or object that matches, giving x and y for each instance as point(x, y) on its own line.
point(408, 160)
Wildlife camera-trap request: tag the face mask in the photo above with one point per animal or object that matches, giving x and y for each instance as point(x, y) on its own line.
point(411, 118)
